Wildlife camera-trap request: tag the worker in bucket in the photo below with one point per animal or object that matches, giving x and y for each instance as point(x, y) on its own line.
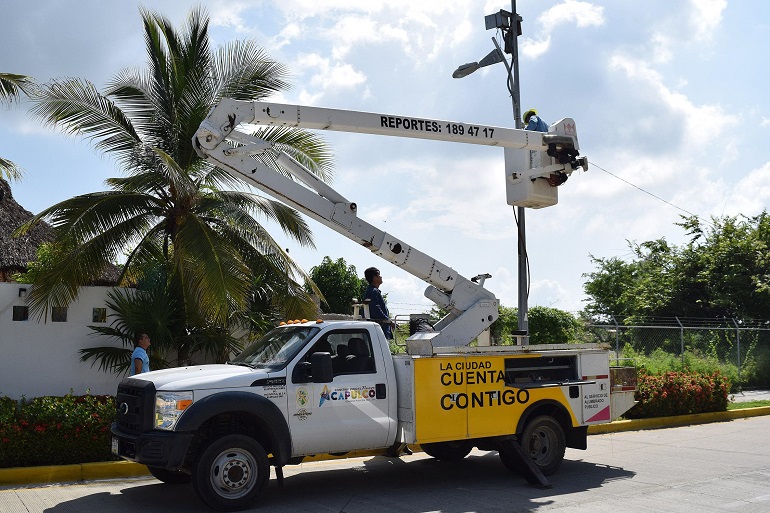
point(533, 122)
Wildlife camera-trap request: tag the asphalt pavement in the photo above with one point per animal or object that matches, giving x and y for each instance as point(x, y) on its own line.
point(715, 467)
point(750, 395)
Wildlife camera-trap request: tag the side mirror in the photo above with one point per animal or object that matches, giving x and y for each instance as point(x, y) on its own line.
point(321, 367)
point(301, 373)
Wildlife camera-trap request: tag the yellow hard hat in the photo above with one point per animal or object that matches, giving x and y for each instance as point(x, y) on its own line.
point(529, 114)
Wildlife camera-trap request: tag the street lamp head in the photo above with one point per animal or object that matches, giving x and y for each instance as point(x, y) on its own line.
point(492, 57)
point(465, 69)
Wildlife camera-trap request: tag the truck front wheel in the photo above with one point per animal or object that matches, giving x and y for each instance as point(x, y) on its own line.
point(448, 451)
point(231, 472)
point(543, 439)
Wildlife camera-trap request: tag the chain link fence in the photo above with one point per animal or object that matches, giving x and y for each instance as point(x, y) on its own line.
point(740, 348)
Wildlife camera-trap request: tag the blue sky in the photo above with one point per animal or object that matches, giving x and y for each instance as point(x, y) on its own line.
point(670, 96)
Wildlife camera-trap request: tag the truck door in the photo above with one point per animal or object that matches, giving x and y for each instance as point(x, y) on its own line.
point(349, 413)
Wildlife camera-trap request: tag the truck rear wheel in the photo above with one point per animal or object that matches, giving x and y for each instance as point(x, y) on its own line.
point(448, 451)
point(231, 472)
point(169, 476)
point(543, 439)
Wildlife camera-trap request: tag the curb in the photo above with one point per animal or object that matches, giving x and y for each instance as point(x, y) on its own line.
point(677, 421)
point(121, 469)
point(71, 473)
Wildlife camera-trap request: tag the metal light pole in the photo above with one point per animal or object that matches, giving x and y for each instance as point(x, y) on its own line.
point(516, 98)
point(512, 22)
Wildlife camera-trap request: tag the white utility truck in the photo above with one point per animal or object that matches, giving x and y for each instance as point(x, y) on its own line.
point(333, 387)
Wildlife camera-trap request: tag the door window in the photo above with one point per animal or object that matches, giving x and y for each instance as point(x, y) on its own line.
point(351, 351)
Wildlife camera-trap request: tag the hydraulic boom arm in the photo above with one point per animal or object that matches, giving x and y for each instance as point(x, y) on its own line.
point(471, 307)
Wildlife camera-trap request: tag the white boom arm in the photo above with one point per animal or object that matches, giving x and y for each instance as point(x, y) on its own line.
point(471, 307)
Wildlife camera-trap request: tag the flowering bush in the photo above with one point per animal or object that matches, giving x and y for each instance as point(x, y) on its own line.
point(55, 430)
point(679, 393)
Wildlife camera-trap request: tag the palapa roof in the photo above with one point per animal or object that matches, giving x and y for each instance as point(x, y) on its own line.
point(16, 252)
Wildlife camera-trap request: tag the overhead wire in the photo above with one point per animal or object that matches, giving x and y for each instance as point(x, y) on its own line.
point(594, 164)
point(700, 218)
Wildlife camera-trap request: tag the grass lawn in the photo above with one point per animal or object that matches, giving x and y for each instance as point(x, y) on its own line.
point(748, 404)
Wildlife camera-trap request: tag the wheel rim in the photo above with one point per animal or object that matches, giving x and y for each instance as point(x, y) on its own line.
point(542, 445)
point(233, 473)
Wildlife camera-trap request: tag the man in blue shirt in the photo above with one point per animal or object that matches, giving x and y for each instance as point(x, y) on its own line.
point(378, 310)
point(140, 362)
point(533, 122)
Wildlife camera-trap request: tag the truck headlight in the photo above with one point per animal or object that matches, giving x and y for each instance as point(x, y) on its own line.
point(169, 406)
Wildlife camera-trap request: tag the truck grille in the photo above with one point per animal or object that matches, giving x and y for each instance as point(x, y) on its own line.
point(135, 405)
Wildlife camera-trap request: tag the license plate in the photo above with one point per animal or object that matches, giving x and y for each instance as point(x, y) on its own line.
point(115, 445)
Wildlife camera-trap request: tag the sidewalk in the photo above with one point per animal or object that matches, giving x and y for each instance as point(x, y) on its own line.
point(10, 477)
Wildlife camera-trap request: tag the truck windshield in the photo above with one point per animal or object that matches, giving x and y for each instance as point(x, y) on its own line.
point(276, 348)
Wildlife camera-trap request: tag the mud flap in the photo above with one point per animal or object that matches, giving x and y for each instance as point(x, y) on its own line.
point(529, 469)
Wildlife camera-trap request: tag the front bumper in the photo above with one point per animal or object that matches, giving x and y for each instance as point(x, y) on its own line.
point(164, 449)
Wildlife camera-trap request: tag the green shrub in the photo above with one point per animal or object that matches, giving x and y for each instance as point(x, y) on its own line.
point(755, 371)
point(55, 430)
point(659, 362)
point(7, 410)
point(679, 393)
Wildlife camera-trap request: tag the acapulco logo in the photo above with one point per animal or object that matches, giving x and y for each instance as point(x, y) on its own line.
point(123, 408)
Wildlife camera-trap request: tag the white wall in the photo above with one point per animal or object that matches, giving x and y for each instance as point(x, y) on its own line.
point(41, 358)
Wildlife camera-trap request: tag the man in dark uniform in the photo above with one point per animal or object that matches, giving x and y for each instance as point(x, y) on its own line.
point(378, 310)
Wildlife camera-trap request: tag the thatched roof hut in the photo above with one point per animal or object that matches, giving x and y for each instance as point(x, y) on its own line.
point(16, 252)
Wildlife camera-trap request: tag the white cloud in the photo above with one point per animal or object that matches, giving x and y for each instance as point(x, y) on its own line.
point(701, 22)
point(462, 32)
point(405, 295)
point(751, 194)
point(326, 75)
point(285, 37)
point(533, 48)
point(581, 14)
point(350, 31)
point(661, 48)
point(706, 17)
point(702, 123)
point(551, 294)
point(464, 196)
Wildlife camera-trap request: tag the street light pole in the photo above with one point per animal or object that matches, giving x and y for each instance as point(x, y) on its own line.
point(513, 87)
point(522, 237)
point(510, 23)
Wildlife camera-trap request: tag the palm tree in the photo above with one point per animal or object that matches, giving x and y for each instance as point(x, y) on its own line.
point(11, 86)
point(174, 213)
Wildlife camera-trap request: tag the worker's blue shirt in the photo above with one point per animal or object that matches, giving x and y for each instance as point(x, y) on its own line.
point(140, 354)
point(536, 124)
point(378, 310)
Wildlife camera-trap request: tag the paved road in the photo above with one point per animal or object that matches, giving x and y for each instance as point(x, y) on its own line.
point(750, 395)
point(717, 467)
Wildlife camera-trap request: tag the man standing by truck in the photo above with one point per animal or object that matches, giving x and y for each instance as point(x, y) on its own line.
point(140, 362)
point(378, 310)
